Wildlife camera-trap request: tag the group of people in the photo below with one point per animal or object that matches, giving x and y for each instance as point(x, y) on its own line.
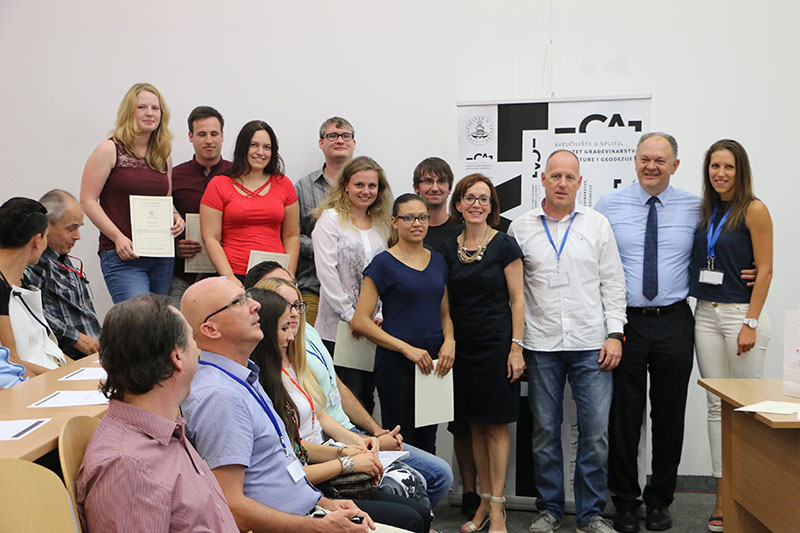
point(596, 297)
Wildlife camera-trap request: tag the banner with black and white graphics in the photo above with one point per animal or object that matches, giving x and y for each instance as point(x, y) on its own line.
point(510, 141)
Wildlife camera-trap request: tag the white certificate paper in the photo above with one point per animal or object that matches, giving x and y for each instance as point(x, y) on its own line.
point(351, 352)
point(86, 373)
point(200, 263)
point(433, 397)
point(72, 398)
point(257, 257)
point(151, 219)
point(17, 429)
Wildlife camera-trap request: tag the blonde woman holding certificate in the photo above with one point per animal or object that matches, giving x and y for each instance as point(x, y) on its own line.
point(352, 228)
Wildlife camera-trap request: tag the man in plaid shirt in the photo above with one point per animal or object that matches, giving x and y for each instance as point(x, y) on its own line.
point(66, 297)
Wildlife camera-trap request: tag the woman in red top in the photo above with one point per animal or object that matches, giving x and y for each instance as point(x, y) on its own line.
point(255, 208)
point(134, 161)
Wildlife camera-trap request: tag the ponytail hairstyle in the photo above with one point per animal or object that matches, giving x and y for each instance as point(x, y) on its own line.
point(401, 200)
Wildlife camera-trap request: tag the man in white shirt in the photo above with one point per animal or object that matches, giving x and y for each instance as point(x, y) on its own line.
point(574, 318)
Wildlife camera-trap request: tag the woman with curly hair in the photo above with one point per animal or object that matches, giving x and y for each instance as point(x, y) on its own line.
point(135, 160)
point(352, 228)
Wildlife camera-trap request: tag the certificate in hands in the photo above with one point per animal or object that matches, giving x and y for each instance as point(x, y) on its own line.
point(433, 397)
point(151, 219)
point(351, 352)
point(257, 257)
point(200, 263)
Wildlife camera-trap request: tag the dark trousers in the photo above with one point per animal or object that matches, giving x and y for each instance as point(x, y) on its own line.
point(391, 509)
point(661, 346)
point(360, 382)
point(394, 379)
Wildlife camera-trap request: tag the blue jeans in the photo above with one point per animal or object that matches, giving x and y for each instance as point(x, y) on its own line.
point(437, 473)
point(592, 389)
point(126, 279)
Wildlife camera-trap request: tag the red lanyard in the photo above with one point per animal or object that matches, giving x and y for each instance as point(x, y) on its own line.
point(304, 393)
point(80, 274)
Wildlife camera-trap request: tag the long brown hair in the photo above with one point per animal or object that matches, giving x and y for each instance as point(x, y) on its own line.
point(742, 187)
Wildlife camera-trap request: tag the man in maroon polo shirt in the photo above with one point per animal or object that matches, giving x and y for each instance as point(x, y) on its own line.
point(189, 181)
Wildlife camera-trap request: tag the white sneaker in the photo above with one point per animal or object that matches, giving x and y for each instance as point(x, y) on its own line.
point(597, 525)
point(544, 523)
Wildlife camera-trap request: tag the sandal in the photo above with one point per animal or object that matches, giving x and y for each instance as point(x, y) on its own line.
point(501, 500)
point(470, 526)
point(715, 524)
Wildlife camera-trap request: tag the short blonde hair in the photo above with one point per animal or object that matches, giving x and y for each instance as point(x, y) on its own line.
point(297, 349)
point(160, 144)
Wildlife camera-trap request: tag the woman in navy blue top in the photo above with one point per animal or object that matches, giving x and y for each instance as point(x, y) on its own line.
point(731, 331)
point(410, 281)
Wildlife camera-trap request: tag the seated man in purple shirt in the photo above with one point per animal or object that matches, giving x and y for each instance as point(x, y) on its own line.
point(139, 472)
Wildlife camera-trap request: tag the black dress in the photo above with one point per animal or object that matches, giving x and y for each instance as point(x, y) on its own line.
point(481, 313)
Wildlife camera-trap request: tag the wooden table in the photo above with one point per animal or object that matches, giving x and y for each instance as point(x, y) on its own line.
point(14, 404)
point(760, 458)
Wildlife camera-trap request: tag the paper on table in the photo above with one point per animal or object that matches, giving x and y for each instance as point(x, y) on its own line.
point(777, 408)
point(200, 263)
point(17, 429)
point(151, 219)
point(72, 398)
point(433, 397)
point(351, 352)
point(387, 458)
point(88, 372)
point(257, 256)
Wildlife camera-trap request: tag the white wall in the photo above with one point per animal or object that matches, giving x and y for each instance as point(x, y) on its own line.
point(714, 69)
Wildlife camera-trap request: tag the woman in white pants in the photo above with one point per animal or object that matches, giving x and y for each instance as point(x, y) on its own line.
point(731, 331)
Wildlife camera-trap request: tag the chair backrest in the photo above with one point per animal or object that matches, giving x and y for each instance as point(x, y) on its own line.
point(32, 498)
point(72, 441)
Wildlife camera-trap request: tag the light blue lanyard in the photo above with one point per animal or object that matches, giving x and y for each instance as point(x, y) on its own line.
point(713, 235)
point(254, 393)
point(550, 237)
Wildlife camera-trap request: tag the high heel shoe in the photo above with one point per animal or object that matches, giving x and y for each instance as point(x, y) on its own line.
point(470, 526)
point(501, 500)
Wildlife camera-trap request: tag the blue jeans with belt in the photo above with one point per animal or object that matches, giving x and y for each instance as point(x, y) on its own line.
point(592, 389)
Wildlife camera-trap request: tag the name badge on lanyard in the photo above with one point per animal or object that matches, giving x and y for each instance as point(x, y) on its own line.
point(709, 275)
point(296, 470)
point(335, 397)
point(560, 279)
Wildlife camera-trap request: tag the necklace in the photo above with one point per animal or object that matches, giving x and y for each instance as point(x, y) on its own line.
point(464, 255)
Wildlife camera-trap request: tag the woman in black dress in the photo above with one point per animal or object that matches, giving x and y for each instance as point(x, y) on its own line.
point(487, 309)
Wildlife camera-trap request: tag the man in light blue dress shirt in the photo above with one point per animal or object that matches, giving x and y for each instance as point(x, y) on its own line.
point(659, 335)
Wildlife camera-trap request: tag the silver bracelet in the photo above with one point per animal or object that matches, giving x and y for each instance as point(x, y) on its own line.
point(348, 465)
point(517, 341)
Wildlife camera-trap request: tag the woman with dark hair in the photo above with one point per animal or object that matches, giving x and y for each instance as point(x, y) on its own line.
point(410, 281)
point(352, 227)
point(321, 462)
point(23, 238)
point(731, 329)
point(487, 307)
point(254, 208)
point(134, 161)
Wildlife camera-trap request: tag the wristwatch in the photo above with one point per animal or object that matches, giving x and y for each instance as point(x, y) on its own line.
point(619, 336)
point(517, 341)
point(751, 323)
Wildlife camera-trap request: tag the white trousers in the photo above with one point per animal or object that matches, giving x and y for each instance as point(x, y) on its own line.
point(716, 332)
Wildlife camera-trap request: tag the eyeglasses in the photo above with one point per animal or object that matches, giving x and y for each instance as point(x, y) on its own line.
point(470, 199)
point(441, 182)
point(333, 136)
point(410, 219)
point(299, 306)
point(240, 301)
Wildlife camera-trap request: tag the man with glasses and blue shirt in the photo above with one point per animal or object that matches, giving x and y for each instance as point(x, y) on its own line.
point(66, 297)
point(234, 427)
point(337, 140)
point(574, 317)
